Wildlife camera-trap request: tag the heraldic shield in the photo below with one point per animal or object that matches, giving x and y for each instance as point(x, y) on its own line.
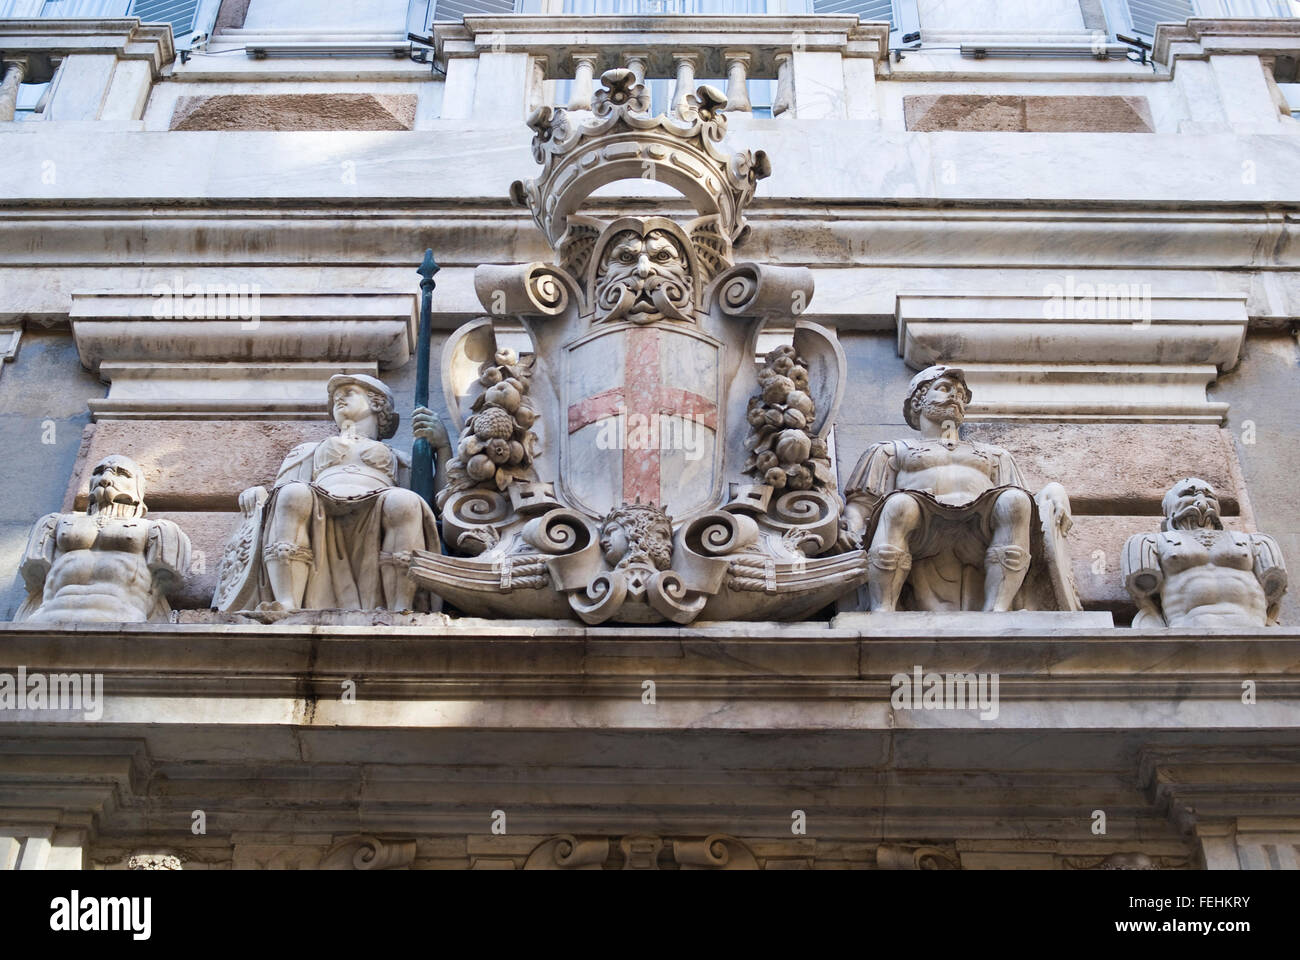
point(635, 464)
point(644, 415)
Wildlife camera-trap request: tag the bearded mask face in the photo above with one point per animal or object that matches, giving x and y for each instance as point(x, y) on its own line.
point(643, 279)
point(1192, 505)
point(117, 482)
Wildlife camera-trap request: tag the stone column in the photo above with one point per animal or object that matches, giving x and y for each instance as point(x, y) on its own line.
point(687, 65)
point(14, 72)
point(737, 81)
point(583, 79)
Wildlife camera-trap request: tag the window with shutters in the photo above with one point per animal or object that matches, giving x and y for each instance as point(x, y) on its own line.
point(1143, 15)
point(188, 18)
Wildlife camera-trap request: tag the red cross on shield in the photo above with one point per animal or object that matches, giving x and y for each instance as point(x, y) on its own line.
point(644, 419)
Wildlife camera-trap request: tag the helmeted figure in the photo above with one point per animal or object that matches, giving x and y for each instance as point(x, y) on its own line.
point(1194, 573)
point(947, 523)
point(338, 529)
point(110, 564)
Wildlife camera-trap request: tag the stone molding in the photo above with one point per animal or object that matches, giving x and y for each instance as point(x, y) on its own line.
point(1198, 38)
point(126, 38)
point(1139, 358)
point(335, 327)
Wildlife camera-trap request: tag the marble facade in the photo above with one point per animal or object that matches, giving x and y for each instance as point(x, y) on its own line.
point(710, 633)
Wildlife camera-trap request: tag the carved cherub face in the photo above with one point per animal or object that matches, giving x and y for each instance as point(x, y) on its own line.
point(116, 480)
point(643, 278)
point(637, 533)
point(1191, 504)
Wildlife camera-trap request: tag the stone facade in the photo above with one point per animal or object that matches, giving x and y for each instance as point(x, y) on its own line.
point(603, 669)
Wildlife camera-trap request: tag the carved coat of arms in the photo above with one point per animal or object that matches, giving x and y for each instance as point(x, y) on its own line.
point(639, 465)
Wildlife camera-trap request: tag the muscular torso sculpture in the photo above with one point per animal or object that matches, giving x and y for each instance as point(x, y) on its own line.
point(1196, 574)
point(110, 564)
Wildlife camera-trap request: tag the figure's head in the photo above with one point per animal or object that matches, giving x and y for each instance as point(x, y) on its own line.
point(353, 397)
point(117, 482)
point(643, 275)
point(637, 533)
point(1191, 504)
point(939, 394)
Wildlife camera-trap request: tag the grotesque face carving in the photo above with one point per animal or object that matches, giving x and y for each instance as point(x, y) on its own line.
point(643, 278)
point(637, 533)
point(1191, 504)
point(117, 484)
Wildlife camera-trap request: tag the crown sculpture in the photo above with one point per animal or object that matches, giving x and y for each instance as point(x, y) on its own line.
point(639, 466)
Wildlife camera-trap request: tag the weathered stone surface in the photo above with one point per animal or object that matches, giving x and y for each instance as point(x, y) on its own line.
point(296, 111)
point(1118, 468)
point(208, 532)
point(194, 465)
point(1027, 114)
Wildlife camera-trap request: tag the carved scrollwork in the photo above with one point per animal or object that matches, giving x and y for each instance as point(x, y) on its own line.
point(720, 533)
point(369, 853)
point(558, 531)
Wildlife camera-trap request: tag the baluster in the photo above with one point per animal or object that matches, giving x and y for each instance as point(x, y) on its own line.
point(737, 81)
point(583, 79)
point(14, 71)
point(637, 63)
point(687, 65)
point(784, 99)
point(537, 83)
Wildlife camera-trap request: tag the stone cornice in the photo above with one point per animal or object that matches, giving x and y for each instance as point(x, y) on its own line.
point(792, 675)
point(1197, 39)
point(127, 38)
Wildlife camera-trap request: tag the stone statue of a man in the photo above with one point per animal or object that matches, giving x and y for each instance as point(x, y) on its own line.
point(338, 529)
point(947, 518)
point(1196, 574)
point(110, 564)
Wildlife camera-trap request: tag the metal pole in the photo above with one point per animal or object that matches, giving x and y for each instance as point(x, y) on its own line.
point(421, 452)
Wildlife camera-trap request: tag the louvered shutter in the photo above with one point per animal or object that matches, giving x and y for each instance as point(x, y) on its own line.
point(1145, 14)
point(188, 18)
point(865, 9)
point(456, 10)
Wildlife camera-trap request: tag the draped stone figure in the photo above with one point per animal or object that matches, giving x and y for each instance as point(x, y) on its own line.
point(110, 564)
point(338, 529)
point(1194, 573)
point(950, 520)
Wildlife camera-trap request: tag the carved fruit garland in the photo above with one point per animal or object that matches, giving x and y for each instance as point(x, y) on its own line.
point(783, 453)
point(497, 445)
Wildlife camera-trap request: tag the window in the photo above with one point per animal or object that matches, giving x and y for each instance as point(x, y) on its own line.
point(456, 10)
point(188, 18)
point(1143, 15)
